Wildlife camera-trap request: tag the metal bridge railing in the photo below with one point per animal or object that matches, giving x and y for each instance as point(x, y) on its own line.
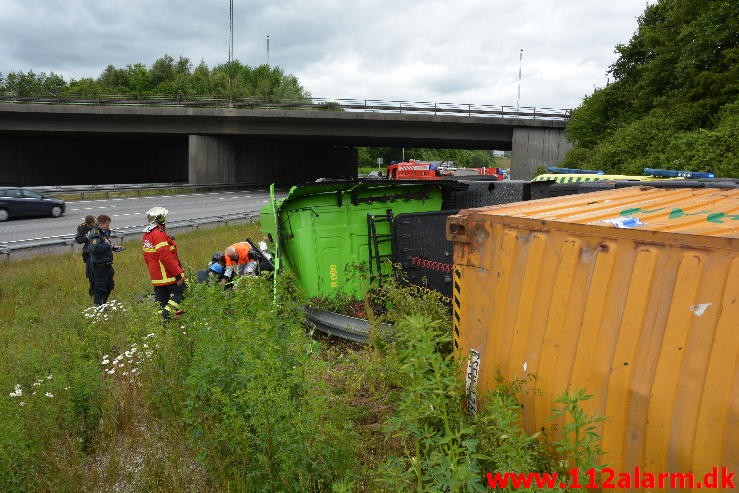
point(310, 104)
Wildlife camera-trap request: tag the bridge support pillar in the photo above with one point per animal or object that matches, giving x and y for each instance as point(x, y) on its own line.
point(536, 147)
point(211, 159)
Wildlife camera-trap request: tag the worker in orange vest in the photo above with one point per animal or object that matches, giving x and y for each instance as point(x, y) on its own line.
point(238, 261)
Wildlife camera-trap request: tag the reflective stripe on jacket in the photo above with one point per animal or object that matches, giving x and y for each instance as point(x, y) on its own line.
point(160, 255)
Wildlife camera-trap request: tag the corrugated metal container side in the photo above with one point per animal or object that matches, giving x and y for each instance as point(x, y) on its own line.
point(630, 294)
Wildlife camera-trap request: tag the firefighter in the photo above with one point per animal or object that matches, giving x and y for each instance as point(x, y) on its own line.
point(166, 272)
point(101, 257)
point(81, 238)
point(238, 261)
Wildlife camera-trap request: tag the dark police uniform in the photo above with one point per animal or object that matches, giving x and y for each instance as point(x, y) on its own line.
point(101, 258)
point(81, 237)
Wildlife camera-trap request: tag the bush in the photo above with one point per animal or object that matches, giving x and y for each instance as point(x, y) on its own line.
point(248, 384)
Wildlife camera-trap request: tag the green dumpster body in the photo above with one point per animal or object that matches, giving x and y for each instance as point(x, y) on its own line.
point(324, 233)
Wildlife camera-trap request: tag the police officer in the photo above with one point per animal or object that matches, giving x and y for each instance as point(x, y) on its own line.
point(81, 238)
point(101, 257)
point(165, 271)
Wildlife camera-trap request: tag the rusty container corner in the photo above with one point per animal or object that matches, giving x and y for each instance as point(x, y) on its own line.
point(630, 294)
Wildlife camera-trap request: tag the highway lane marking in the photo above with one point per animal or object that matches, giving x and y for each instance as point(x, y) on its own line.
point(35, 239)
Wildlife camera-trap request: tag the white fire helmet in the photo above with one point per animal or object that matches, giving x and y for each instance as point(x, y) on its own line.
point(157, 215)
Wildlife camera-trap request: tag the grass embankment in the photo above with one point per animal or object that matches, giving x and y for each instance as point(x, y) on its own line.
point(236, 395)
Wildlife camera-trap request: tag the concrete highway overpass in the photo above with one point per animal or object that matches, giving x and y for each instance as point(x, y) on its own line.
point(43, 144)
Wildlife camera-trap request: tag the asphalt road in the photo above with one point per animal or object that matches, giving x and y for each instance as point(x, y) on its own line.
point(131, 211)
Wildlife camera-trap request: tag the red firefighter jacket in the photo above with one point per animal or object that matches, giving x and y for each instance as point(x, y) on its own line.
point(160, 254)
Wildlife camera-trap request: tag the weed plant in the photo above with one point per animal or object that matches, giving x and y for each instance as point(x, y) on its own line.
point(66, 415)
point(237, 396)
point(243, 376)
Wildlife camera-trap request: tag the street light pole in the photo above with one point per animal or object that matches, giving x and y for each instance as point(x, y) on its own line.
point(230, 48)
point(268, 50)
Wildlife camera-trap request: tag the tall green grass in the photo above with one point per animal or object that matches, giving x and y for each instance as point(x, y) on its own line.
point(238, 395)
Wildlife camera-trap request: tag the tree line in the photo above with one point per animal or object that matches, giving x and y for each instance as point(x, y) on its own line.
point(166, 76)
point(674, 97)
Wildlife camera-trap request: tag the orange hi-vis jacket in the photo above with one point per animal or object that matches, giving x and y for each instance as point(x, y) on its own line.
point(242, 249)
point(160, 254)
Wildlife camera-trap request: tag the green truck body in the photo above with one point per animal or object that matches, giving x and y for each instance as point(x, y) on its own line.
point(325, 234)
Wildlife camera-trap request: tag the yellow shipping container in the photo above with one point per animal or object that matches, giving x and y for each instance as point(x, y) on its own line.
point(630, 294)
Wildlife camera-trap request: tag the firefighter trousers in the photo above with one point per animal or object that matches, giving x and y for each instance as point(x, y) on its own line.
point(169, 298)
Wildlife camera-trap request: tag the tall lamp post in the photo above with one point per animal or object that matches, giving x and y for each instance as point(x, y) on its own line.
point(230, 48)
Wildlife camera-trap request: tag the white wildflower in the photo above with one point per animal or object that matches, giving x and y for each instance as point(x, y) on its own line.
point(149, 335)
point(48, 377)
point(17, 392)
point(49, 395)
point(111, 371)
point(21, 403)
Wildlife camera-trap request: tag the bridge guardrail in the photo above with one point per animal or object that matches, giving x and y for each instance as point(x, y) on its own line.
point(139, 188)
point(313, 104)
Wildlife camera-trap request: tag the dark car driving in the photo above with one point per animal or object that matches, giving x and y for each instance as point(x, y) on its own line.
point(22, 202)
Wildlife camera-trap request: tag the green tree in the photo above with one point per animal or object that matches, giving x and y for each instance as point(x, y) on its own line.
point(138, 77)
point(166, 76)
point(672, 85)
point(85, 87)
point(162, 70)
point(114, 80)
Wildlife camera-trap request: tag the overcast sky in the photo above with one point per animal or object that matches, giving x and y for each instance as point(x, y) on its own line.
point(457, 51)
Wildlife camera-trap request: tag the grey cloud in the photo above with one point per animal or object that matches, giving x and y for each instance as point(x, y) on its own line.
point(415, 49)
